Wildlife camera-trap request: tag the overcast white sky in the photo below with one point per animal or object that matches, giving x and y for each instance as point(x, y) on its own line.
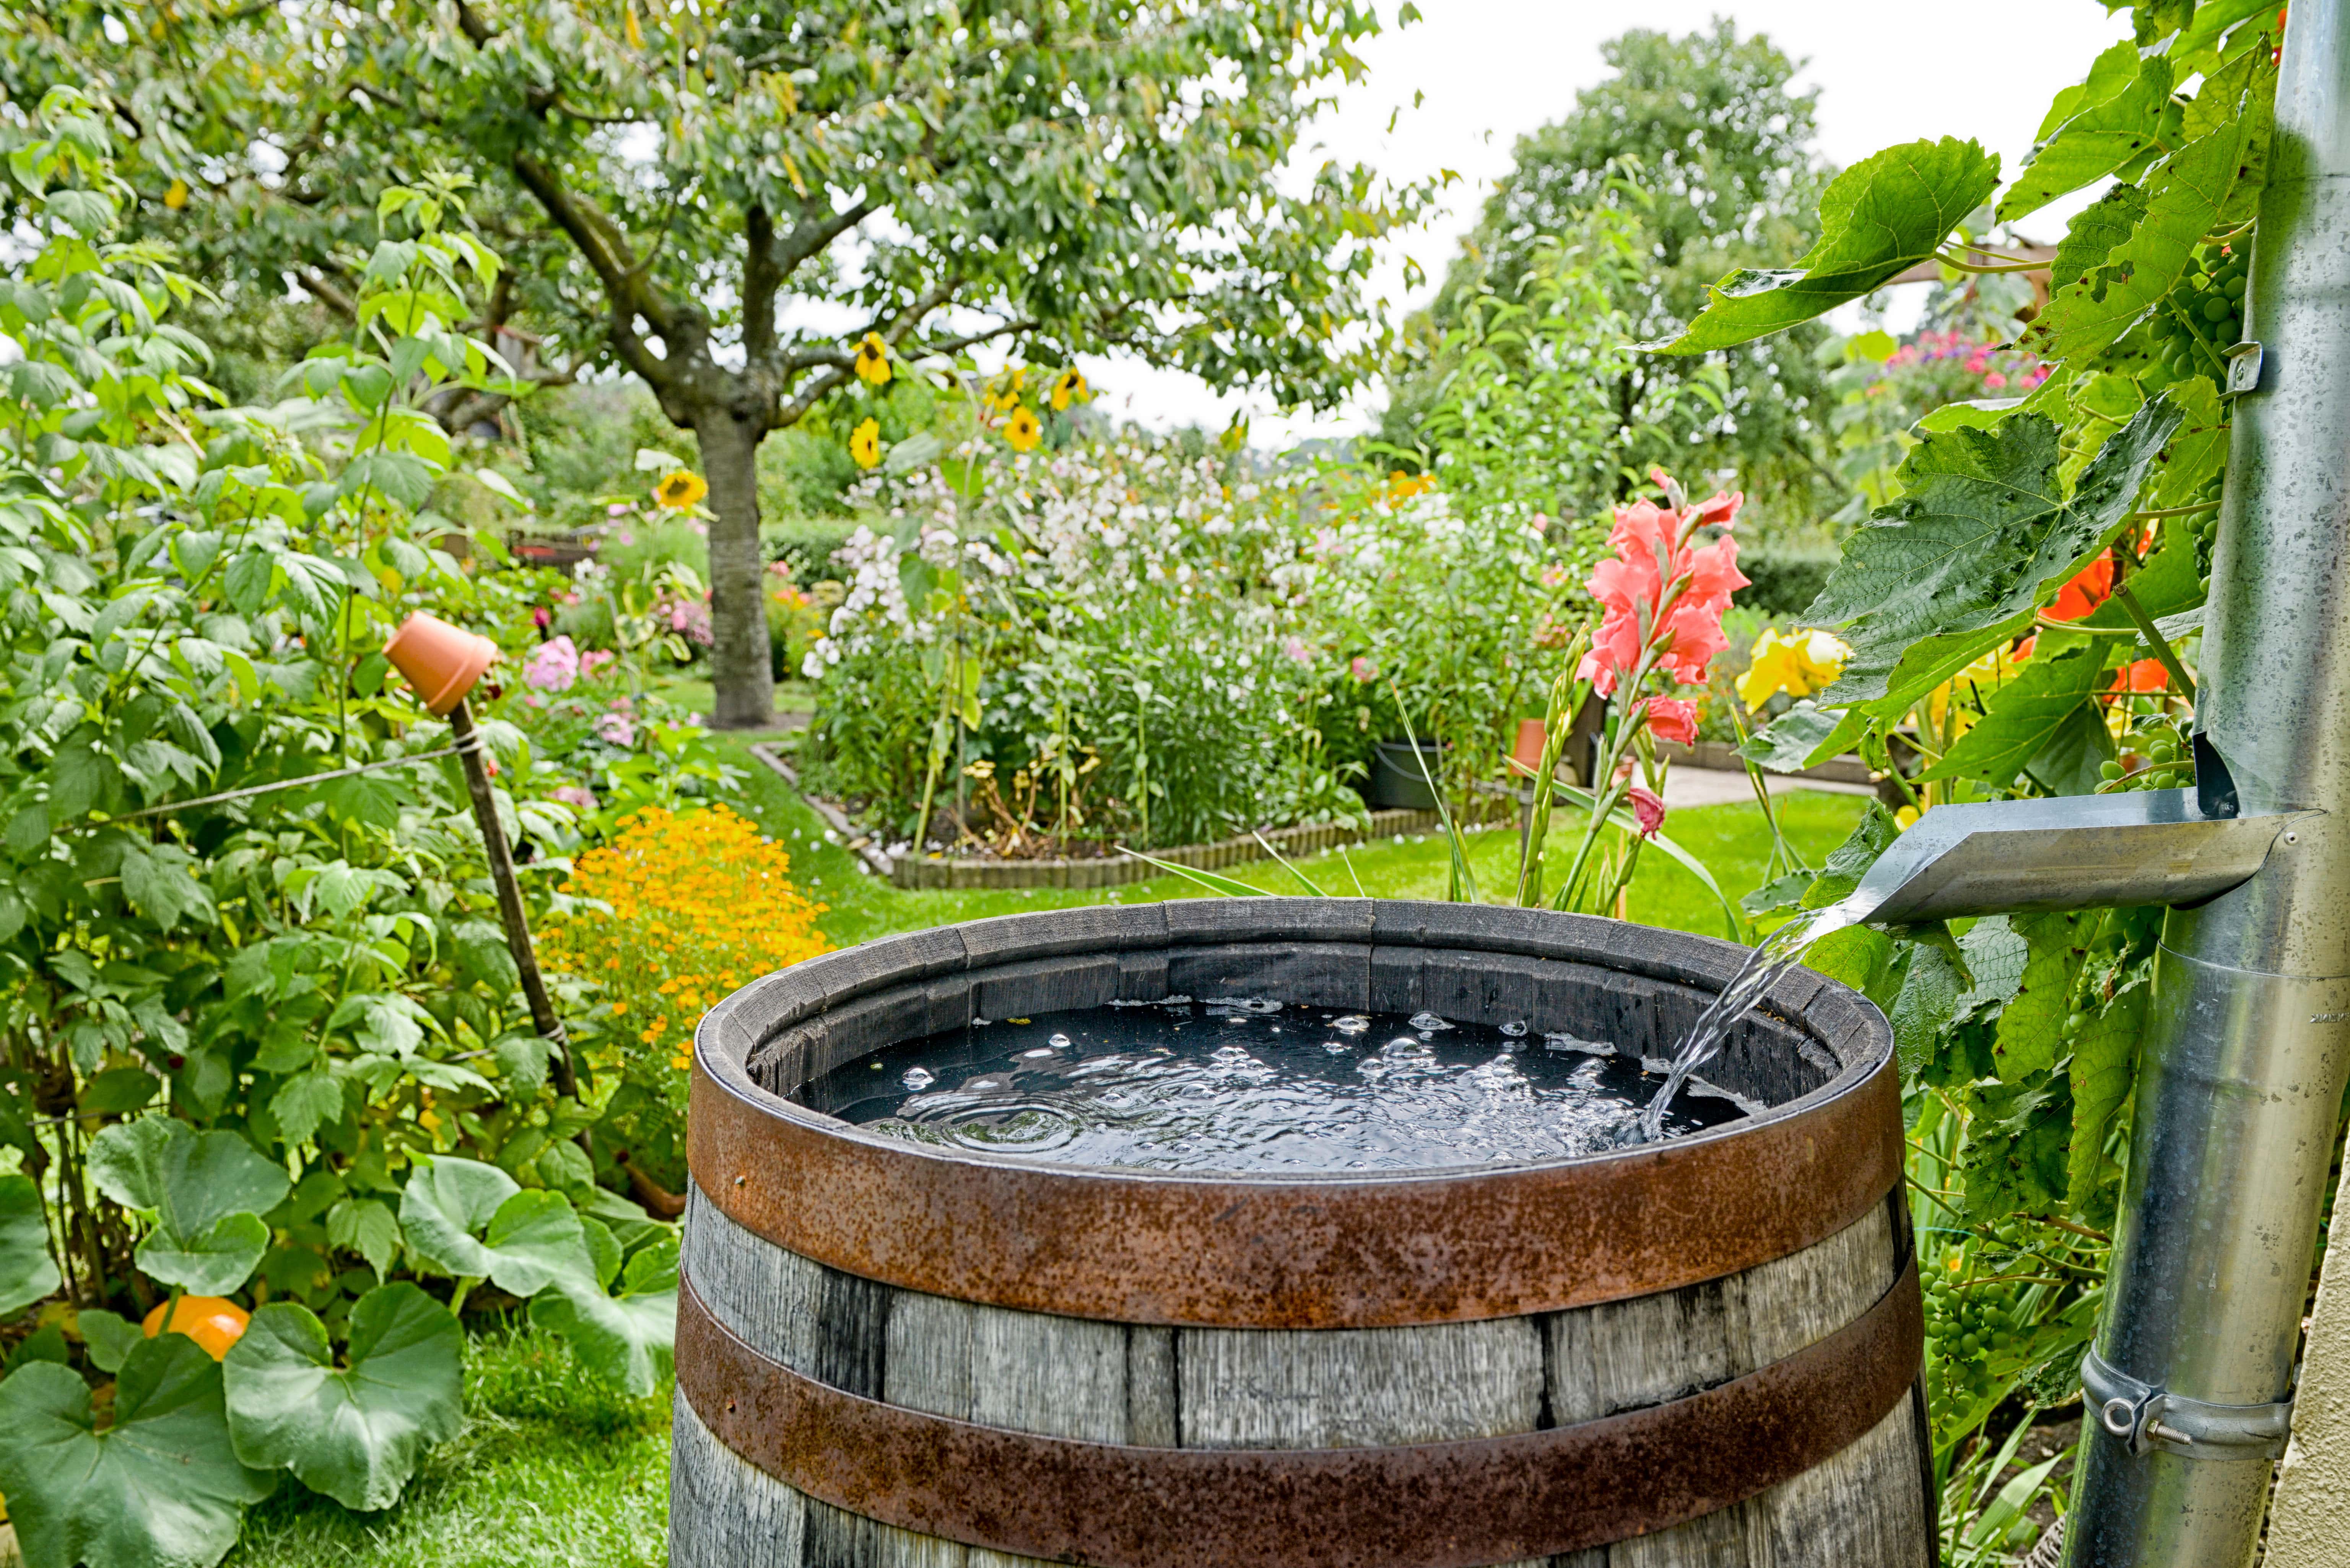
point(1494, 69)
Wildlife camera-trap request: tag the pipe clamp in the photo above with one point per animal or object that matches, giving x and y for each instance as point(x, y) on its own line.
point(2146, 1419)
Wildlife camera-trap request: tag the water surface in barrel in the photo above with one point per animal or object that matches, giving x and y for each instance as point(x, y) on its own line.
point(1247, 1083)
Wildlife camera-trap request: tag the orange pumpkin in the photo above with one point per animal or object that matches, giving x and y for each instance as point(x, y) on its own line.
point(211, 1321)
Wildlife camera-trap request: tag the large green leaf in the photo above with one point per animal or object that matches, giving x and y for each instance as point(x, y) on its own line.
point(1848, 862)
point(2187, 196)
point(2031, 1027)
point(203, 1190)
point(26, 1271)
point(2100, 138)
point(525, 1240)
point(1802, 737)
point(625, 1336)
point(2094, 233)
point(1880, 217)
point(160, 1488)
point(1930, 993)
point(1983, 533)
point(2105, 1065)
point(2015, 1149)
point(355, 1431)
point(2023, 715)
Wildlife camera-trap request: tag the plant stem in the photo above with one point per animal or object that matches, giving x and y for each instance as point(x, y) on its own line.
point(2153, 635)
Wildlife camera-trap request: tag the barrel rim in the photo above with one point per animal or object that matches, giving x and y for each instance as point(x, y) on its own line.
point(1283, 1249)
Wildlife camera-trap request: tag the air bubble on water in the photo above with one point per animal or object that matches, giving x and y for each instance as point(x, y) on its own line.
point(1058, 1042)
point(1513, 1029)
point(918, 1079)
point(979, 1022)
point(1560, 1040)
point(1336, 1047)
point(1353, 1023)
point(1428, 1023)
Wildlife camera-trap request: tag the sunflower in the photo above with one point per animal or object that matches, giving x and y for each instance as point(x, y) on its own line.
point(873, 360)
point(680, 490)
point(1023, 431)
point(1005, 395)
point(864, 442)
point(1068, 387)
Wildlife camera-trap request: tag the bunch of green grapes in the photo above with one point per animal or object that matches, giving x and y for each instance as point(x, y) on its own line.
point(1973, 1320)
point(2207, 529)
point(2194, 326)
point(2155, 757)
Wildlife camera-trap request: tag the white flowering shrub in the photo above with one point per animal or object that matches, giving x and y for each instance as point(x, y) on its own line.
point(1120, 642)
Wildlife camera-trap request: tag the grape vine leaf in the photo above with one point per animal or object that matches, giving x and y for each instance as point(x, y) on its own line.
point(159, 1488)
point(2094, 233)
point(2187, 195)
point(2105, 1065)
point(2099, 138)
point(1931, 988)
point(1803, 736)
point(355, 1431)
point(2023, 715)
point(1878, 218)
point(1848, 862)
point(2015, 1149)
point(26, 1272)
point(2072, 759)
point(1983, 533)
point(2031, 1025)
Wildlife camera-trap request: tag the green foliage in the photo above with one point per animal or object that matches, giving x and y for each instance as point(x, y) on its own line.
point(1878, 218)
point(1985, 531)
point(203, 1193)
point(26, 1273)
point(156, 1487)
point(2024, 715)
point(353, 1431)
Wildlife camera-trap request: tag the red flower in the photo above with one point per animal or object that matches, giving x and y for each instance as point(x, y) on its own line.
point(1673, 718)
point(2086, 592)
point(1648, 810)
point(2145, 675)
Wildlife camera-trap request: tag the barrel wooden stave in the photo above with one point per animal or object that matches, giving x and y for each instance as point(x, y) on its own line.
point(1275, 1388)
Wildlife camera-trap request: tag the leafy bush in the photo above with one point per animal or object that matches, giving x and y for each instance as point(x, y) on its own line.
point(1784, 582)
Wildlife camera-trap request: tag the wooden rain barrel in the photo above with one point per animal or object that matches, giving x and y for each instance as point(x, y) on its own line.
point(1699, 1351)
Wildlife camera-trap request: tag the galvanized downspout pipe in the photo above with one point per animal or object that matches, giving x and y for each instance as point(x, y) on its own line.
point(2248, 1048)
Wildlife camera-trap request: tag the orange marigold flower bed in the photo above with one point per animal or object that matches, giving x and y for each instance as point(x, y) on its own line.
point(700, 905)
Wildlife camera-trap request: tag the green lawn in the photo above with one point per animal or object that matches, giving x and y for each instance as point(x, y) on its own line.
point(553, 1469)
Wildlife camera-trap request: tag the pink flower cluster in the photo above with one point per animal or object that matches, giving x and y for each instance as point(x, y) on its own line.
point(1663, 597)
point(690, 618)
point(553, 665)
point(1998, 369)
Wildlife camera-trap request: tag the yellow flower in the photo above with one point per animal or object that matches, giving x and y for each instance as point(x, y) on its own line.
point(177, 196)
point(1003, 396)
point(1798, 663)
point(873, 361)
point(1905, 819)
point(865, 443)
point(680, 1063)
point(1023, 431)
point(1067, 386)
point(680, 490)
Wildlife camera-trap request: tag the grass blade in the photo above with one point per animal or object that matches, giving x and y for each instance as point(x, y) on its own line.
point(1351, 872)
point(1286, 866)
point(1464, 887)
point(1207, 879)
point(1622, 818)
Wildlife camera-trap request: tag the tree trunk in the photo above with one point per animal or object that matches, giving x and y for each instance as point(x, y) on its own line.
point(739, 661)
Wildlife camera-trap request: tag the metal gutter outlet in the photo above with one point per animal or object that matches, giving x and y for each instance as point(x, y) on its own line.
point(2073, 852)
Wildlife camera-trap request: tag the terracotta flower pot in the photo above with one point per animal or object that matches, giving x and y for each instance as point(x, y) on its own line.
point(440, 660)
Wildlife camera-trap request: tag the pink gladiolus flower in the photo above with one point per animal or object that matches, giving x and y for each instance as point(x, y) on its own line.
point(1654, 563)
point(1648, 810)
point(553, 665)
point(1673, 718)
point(1362, 669)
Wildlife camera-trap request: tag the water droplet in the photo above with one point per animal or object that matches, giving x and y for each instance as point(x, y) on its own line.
point(1428, 1023)
point(1513, 1029)
point(917, 1079)
point(1353, 1023)
point(1058, 1042)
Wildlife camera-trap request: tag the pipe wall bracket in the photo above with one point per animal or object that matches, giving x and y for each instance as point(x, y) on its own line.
point(2151, 1421)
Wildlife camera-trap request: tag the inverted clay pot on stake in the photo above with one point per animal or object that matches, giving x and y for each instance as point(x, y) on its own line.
point(442, 663)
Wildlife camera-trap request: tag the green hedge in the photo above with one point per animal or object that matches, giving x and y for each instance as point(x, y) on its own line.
point(1784, 582)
